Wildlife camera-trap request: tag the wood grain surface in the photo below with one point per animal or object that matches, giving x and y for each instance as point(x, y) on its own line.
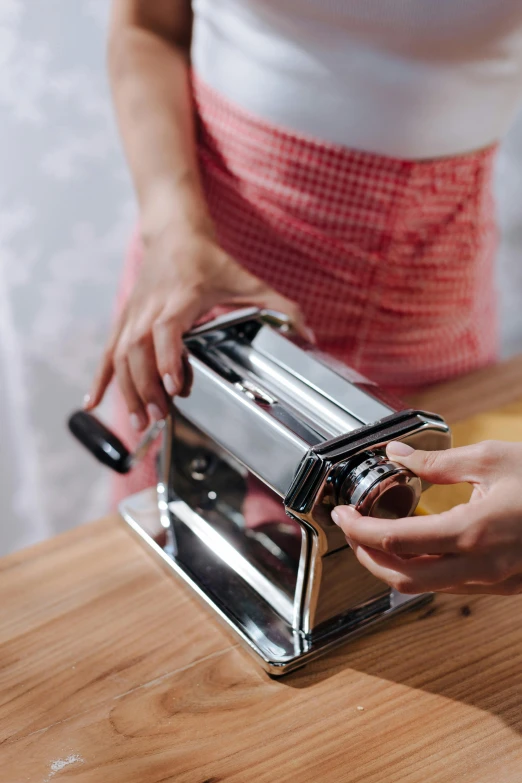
point(111, 672)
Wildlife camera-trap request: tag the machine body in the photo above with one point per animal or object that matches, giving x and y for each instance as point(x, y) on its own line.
point(272, 437)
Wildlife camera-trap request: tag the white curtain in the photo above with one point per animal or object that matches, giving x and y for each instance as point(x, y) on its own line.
point(65, 214)
point(66, 210)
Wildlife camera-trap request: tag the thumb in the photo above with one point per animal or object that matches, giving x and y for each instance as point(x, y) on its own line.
point(279, 303)
point(451, 466)
point(267, 299)
point(246, 288)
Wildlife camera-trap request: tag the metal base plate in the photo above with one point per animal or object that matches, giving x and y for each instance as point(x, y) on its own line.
point(272, 640)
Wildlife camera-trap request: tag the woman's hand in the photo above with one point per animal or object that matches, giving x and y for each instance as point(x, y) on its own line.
point(473, 548)
point(184, 275)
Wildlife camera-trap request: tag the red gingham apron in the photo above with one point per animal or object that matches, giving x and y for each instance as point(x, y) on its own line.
point(391, 261)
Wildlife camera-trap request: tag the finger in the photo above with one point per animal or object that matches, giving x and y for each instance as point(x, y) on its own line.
point(431, 534)
point(274, 301)
point(428, 573)
point(168, 349)
point(145, 377)
point(452, 466)
point(392, 570)
point(266, 298)
point(171, 356)
point(138, 416)
point(101, 381)
point(511, 586)
point(105, 371)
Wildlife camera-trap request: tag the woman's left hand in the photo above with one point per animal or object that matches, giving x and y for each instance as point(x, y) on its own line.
point(475, 547)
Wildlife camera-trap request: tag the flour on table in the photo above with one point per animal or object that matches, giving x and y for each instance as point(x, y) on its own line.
point(60, 764)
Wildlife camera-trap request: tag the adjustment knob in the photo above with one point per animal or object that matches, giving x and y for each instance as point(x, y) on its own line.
point(378, 487)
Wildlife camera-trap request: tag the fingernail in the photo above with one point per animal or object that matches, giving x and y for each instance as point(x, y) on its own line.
point(399, 448)
point(170, 386)
point(310, 335)
point(154, 412)
point(136, 422)
point(337, 514)
point(86, 400)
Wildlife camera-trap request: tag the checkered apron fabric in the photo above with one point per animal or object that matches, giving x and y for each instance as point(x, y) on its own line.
point(391, 261)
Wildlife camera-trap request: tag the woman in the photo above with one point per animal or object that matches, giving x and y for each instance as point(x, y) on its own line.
point(332, 160)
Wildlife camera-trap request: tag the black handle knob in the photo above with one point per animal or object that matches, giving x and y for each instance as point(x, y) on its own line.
point(100, 441)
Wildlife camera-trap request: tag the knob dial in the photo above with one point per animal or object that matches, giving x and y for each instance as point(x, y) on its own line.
point(379, 487)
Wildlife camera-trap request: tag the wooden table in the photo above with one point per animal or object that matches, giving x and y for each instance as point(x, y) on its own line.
point(110, 672)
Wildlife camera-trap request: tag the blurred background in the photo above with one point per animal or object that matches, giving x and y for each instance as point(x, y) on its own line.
point(66, 211)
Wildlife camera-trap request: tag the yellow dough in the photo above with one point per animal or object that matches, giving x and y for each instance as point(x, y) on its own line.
point(503, 424)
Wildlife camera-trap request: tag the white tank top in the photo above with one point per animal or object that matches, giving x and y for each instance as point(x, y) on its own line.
point(407, 78)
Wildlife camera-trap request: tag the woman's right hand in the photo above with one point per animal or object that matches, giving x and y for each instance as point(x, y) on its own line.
point(184, 275)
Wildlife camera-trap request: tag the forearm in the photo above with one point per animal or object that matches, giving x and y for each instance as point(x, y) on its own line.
point(151, 88)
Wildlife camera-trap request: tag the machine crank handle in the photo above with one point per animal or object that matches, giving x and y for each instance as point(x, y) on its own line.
point(105, 446)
